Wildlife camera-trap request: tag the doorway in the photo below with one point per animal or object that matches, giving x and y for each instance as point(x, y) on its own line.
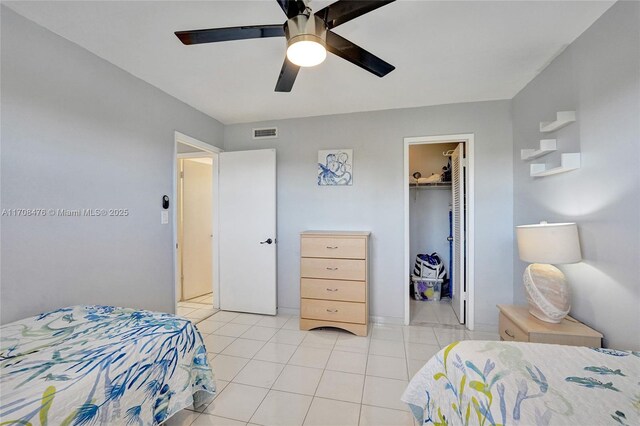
point(439, 231)
point(195, 226)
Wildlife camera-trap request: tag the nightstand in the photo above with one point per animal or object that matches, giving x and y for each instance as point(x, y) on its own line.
point(517, 325)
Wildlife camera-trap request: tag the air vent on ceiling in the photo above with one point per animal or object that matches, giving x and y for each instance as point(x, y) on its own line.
point(265, 133)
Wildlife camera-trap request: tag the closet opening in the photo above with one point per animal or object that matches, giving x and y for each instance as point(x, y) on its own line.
point(195, 228)
point(438, 280)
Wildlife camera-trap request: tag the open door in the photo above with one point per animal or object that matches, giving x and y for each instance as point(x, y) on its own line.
point(458, 208)
point(247, 206)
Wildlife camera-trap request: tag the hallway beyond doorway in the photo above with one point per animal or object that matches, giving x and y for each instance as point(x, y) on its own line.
point(197, 309)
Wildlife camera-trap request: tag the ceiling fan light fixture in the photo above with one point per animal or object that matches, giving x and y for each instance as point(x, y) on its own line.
point(306, 52)
point(308, 36)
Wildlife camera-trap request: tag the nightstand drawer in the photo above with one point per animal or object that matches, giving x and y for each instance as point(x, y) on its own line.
point(336, 269)
point(330, 310)
point(332, 247)
point(511, 332)
point(348, 291)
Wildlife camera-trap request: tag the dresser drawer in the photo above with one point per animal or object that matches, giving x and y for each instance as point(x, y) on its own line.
point(330, 310)
point(333, 247)
point(337, 269)
point(510, 331)
point(348, 291)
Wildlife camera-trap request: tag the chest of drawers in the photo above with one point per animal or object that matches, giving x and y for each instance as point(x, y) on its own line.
point(334, 280)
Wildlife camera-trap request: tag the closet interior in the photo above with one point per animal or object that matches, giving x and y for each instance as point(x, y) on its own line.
point(437, 223)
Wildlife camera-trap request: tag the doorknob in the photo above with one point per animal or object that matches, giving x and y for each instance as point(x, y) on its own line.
point(267, 241)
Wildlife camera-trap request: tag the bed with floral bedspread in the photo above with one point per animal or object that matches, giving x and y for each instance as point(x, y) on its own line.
point(510, 383)
point(101, 365)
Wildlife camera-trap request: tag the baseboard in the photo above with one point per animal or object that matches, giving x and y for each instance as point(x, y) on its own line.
point(289, 311)
point(486, 328)
point(374, 319)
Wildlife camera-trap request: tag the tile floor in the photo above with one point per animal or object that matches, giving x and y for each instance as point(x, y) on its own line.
point(269, 372)
point(206, 299)
point(196, 309)
point(432, 313)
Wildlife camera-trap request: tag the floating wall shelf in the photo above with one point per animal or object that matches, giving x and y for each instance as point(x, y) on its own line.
point(546, 146)
point(562, 119)
point(568, 162)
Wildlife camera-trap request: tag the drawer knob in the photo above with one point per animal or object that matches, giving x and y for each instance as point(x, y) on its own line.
point(508, 333)
point(332, 311)
point(331, 269)
point(332, 247)
point(332, 289)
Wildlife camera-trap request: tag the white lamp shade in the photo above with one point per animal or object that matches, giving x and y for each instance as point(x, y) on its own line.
point(552, 243)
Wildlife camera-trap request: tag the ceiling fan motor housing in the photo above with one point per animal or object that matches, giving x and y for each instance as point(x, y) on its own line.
point(305, 28)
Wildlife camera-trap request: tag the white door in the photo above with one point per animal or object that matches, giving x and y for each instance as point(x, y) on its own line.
point(196, 230)
point(247, 205)
point(458, 191)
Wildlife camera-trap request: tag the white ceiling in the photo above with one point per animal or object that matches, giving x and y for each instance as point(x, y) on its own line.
point(444, 52)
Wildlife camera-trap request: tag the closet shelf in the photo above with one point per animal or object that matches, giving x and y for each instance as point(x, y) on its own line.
point(434, 185)
point(568, 162)
point(546, 146)
point(562, 119)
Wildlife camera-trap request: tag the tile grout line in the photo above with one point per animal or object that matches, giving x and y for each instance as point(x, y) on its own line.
point(204, 410)
point(332, 349)
point(319, 381)
point(216, 354)
point(250, 359)
point(406, 354)
point(220, 353)
point(366, 366)
point(294, 393)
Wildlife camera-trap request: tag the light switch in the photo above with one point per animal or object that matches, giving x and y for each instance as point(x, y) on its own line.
point(164, 217)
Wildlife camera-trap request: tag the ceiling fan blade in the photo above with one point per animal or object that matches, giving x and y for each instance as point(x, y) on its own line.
point(287, 76)
point(292, 8)
point(356, 55)
point(345, 10)
point(231, 33)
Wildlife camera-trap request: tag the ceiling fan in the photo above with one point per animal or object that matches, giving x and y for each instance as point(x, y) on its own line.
point(309, 37)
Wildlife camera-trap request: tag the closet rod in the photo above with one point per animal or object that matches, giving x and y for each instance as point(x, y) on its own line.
point(448, 153)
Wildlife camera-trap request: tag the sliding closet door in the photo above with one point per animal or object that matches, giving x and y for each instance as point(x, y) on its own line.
point(458, 288)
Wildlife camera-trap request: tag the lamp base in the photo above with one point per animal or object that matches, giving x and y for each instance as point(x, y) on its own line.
point(547, 292)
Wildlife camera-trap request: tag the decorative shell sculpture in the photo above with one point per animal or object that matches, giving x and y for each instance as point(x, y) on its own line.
point(547, 292)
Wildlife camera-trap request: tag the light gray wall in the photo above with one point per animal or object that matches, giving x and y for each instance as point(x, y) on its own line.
point(375, 202)
point(78, 132)
point(599, 77)
point(186, 149)
point(429, 223)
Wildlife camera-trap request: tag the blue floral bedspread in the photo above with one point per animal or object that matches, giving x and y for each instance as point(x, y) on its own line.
point(510, 383)
point(101, 365)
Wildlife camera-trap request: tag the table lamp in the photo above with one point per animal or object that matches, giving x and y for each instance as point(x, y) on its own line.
point(545, 285)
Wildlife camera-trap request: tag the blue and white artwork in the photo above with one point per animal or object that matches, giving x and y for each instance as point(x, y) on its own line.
point(335, 167)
